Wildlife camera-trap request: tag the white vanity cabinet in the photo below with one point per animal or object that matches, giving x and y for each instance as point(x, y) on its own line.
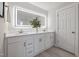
point(52, 38)
point(28, 45)
point(47, 41)
point(15, 47)
point(39, 44)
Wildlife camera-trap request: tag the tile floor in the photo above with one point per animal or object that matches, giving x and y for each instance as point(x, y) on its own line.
point(55, 52)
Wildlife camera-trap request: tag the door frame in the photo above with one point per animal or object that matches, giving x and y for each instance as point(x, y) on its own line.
point(76, 46)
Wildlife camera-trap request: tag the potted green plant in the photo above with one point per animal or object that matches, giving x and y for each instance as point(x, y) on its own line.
point(35, 23)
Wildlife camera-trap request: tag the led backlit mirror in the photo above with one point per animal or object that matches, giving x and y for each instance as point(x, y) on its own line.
point(24, 16)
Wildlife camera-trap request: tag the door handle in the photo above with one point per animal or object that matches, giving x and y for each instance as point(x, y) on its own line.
point(73, 32)
point(40, 40)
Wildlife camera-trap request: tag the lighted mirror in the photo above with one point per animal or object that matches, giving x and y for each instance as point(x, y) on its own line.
point(1, 9)
point(24, 16)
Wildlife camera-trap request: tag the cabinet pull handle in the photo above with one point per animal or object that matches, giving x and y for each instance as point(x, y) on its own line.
point(30, 52)
point(24, 44)
point(29, 43)
point(40, 40)
point(73, 32)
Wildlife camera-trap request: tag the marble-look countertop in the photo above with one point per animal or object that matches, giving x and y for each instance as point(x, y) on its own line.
point(21, 34)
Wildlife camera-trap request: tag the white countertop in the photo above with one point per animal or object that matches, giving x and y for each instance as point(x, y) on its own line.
point(21, 34)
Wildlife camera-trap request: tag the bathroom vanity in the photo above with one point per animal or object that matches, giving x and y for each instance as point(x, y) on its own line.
point(28, 45)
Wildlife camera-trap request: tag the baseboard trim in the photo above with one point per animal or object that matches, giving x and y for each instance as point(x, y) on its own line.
point(67, 51)
point(1, 55)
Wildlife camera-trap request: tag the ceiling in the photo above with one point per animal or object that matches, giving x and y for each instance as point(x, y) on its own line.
point(49, 5)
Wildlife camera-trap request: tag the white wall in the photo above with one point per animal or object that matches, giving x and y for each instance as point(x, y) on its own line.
point(52, 17)
point(27, 5)
point(51, 14)
point(52, 20)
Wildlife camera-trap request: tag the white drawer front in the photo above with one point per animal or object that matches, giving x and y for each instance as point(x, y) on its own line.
point(29, 51)
point(14, 39)
point(29, 47)
point(29, 43)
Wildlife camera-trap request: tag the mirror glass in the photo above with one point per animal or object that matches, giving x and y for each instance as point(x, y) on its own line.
point(1, 9)
point(23, 18)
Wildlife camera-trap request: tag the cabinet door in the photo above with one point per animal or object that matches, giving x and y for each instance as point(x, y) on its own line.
point(47, 41)
point(39, 43)
point(36, 44)
point(52, 38)
point(16, 49)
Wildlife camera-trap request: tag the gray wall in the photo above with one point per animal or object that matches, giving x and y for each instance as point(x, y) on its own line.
point(27, 5)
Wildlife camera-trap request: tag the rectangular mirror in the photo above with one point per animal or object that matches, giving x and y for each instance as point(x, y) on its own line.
point(1, 9)
point(24, 16)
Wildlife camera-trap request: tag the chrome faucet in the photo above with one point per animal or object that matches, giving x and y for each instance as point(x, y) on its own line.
point(21, 31)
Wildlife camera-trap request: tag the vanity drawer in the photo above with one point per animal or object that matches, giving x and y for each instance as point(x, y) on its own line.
point(29, 47)
point(14, 39)
point(29, 51)
point(28, 41)
point(29, 44)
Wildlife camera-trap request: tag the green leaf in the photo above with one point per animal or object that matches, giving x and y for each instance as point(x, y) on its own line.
point(35, 23)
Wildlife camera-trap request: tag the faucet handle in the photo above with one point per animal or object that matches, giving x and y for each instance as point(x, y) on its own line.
point(21, 31)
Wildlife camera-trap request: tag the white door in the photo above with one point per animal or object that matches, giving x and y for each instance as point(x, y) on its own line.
point(16, 49)
point(67, 28)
